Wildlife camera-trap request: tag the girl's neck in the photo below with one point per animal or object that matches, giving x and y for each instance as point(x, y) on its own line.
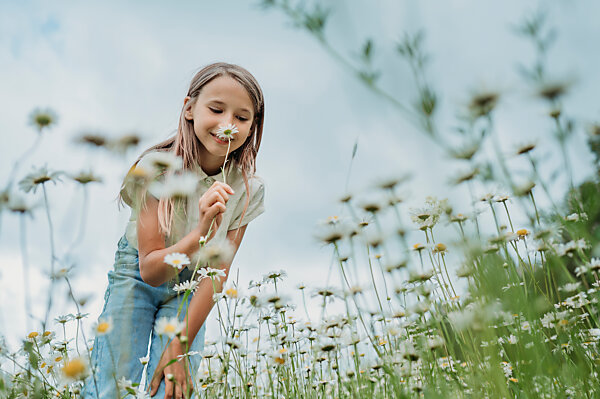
point(210, 164)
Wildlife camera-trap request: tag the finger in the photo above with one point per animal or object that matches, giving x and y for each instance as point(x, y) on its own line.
point(226, 186)
point(216, 209)
point(178, 391)
point(168, 389)
point(221, 190)
point(211, 199)
point(155, 382)
point(217, 196)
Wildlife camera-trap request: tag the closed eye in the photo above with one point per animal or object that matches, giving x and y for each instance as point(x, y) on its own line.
point(215, 110)
point(241, 118)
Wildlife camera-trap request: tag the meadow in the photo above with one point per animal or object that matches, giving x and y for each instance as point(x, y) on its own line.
point(506, 305)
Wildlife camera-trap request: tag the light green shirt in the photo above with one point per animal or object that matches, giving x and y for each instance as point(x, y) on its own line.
point(186, 218)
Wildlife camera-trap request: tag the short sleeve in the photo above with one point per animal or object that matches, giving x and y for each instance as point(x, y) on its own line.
point(256, 206)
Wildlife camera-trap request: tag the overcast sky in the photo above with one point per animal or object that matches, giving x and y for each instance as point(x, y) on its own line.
point(114, 68)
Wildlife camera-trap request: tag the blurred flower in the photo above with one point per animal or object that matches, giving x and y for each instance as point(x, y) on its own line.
point(123, 143)
point(371, 205)
point(575, 217)
point(37, 177)
point(125, 384)
point(327, 293)
point(144, 360)
point(391, 182)
point(216, 253)
point(85, 177)
point(346, 198)
point(465, 176)
point(19, 204)
point(440, 248)
point(428, 216)
point(103, 326)
point(525, 148)
point(459, 217)
point(160, 161)
point(524, 189)
point(227, 132)
point(522, 233)
point(418, 247)
point(75, 369)
point(93, 139)
point(177, 186)
point(43, 118)
point(483, 103)
point(466, 151)
point(177, 260)
point(553, 90)
point(168, 326)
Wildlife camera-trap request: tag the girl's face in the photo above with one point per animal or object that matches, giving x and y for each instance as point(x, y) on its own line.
point(222, 101)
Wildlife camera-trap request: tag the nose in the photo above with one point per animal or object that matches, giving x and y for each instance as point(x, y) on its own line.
point(229, 119)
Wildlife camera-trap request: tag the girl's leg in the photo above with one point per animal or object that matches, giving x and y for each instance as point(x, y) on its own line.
point(129, 306)
point(158, 345)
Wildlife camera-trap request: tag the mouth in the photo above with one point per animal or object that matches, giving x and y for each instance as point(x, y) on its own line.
point(218, 140)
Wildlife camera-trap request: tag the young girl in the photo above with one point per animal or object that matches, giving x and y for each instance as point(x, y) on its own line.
point(222, 97)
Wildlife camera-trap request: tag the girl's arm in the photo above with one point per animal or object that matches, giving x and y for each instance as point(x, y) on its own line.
point(151, 242)
point(198, 310)
point(202, 301)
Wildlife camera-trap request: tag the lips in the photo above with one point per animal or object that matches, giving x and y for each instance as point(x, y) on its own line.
point(218, 140)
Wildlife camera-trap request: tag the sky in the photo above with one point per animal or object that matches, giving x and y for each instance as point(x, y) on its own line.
point(114, 68)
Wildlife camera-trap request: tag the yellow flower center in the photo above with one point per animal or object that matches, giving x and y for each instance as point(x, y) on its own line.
point(170, 328)
point(418, 247)
point(440, 247)
point(74, 368)
point(103, 327)
point(58, 359)
point(33, 334)
point(46, 333)
point(522, 232)
point(231, 292)
point(279, 360)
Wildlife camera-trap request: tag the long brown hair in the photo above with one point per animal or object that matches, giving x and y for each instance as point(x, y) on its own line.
point(186, 145)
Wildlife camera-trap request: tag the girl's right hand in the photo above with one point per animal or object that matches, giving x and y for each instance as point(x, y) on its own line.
point(212, 206)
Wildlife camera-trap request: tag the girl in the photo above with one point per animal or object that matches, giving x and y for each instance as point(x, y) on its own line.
point(221, 98)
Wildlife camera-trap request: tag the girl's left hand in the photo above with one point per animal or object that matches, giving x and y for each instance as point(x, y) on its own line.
point(180, 383)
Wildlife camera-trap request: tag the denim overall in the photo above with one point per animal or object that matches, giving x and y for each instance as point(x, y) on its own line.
point(132, 306)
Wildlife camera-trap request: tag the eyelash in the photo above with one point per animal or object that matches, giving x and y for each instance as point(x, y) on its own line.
point(218, 111)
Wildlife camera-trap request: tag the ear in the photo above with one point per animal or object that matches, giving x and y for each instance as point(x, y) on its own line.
point(187, 109)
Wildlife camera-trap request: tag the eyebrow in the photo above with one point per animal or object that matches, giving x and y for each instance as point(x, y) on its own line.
point(222, 103)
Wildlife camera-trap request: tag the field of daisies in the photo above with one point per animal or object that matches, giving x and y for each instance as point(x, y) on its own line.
point(506, 305)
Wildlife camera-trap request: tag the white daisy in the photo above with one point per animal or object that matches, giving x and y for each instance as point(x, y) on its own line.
point(181, 185)
point(227, 132)
point(125, 384)
point(216, 253)
point(160, 161)
point(189, 285)
point(177, 260)
point(168, 326)
point(210, 273)
point(103, 326)
point(37, 177)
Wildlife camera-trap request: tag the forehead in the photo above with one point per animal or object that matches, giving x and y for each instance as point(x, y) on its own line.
point(226, 90)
